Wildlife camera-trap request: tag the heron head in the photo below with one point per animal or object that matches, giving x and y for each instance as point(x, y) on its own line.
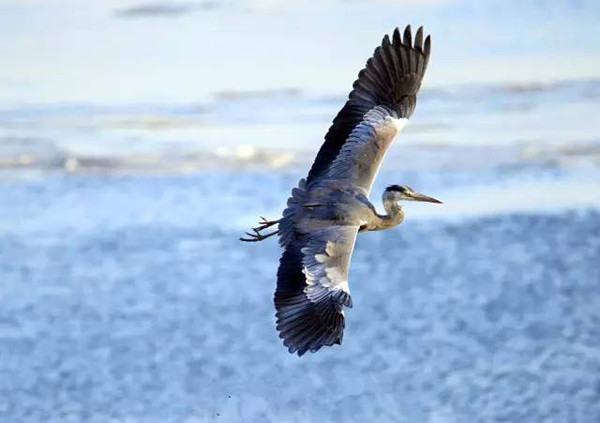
point(406, 193)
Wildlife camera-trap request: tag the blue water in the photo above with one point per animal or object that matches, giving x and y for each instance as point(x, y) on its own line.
point(130, 299)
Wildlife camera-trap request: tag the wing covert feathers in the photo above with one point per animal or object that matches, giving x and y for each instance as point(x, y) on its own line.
point(391, 78)
point(360, 158)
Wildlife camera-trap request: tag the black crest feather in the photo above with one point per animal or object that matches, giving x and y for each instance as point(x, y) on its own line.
point(396, 188)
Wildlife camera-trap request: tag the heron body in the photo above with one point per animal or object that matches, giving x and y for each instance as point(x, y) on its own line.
point(331, 206)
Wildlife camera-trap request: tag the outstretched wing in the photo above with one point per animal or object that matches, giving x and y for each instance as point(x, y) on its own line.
point(312, 288)
point(391, 78)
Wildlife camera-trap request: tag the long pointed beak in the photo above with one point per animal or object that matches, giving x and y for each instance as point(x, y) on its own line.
point(420, 197)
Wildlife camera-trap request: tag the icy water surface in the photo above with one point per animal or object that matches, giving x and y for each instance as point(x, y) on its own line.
point(453, 126)
point(130, 299)
point(138, 141)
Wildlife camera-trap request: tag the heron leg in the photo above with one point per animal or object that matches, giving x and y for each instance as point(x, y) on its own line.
point(262, 225)
point(257, 236)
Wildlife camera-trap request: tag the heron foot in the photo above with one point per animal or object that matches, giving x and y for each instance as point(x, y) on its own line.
point(257, 236)
point(262, 225)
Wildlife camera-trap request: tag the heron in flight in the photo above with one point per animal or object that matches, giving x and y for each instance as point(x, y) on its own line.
point(331, 206)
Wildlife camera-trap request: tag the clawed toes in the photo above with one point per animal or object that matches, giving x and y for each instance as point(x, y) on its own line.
point(257, 236)
point(264, 224)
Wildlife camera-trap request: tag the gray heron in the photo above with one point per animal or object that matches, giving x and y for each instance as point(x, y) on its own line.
point(331, 205)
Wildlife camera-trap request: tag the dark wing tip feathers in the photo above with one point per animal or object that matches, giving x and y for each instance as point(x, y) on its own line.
point(307, 326)
point(301, 325)
point(419, 39)
point(392, 77)
point(408, 36)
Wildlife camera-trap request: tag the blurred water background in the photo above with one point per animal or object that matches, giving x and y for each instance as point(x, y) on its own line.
point(138, 140)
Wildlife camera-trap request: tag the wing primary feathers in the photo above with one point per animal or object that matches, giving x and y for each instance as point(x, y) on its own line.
point(308, 339)
point(420, 64)
point(414, 59)
point(393, 59)
point(396, 38)
point(374, 77)
point(381, 67)
point(419, 39)
point(407, 36)
point(427, 51)
point(404, 59)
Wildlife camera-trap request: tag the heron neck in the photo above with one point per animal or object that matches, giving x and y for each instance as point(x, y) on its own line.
point(393, 217)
